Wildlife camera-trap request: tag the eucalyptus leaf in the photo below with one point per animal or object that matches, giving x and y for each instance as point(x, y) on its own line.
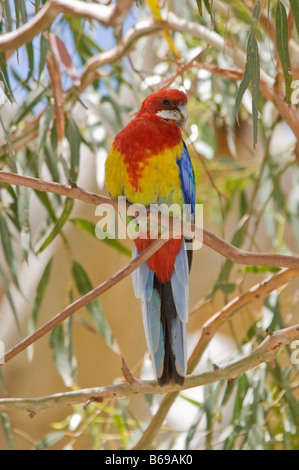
point(295, 10)
point(68, 206)
point(90, 227)
point(8, 431)
point(282, 44)
point(40, 292)
point(9, 253)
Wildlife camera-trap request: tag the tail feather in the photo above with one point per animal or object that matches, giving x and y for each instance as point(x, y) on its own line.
point(165, 313)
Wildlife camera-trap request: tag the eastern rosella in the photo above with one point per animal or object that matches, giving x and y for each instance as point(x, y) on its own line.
point(149, 164)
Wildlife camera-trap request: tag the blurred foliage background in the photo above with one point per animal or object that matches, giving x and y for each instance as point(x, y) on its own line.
point(63, 98)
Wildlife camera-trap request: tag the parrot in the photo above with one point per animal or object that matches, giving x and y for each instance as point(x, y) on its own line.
point(149, 163)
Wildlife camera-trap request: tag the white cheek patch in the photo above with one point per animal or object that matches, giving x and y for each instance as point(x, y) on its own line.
point(172, 114)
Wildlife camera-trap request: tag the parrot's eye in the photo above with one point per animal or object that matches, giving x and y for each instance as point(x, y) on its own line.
point(166, 102)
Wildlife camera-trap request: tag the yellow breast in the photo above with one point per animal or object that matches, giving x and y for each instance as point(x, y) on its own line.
point(153, 180)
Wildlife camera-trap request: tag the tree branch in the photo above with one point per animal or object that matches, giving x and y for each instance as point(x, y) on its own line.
point(222, 247)
point(265, 352)
point(84, 300)
point(110, 15)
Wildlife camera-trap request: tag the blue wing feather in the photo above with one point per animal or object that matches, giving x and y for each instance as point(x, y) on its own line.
point(187, 178)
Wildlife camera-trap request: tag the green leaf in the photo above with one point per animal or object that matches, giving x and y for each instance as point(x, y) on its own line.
point(40, 292)
point(254, 67)
point(8, 249)
point(30, 55)
point(241, 391)
point(44, 127)
point(4, 78)
point(23, 11)
point(51, 161)
point(10, 299)
point(295, 10)
point(91, 228)
point(8, 432)
point(23, 217)
point(228, 287)
point(74, 138)
point(44, 47)
point(242, 88)
point(49, 440)
point(94, 308)
point(17, 9)
point(61, 342)
point(208, 6)
point(235, 241)
point(251, 74)
point(7, 15)
point(240, 10)
point(199, 6)
point(30, 101)
point(282, 44)
point(68, 206)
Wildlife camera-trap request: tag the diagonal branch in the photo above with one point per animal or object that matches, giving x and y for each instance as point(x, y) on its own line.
point(84, 300)
point(265, 352)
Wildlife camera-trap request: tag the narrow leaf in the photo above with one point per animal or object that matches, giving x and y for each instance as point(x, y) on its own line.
point(69, 203)
point(282, 40)
point(62, 55)
point(57, 91)
point(242, 88)
point(295, 10)
point(61, 342)
point(40, 292)
point(91, 228)
point(10, 298)
point(94, 308)
point(17, 10)
point(44, 127)
point(5, 78)
point(30, 55)
point(23, 217)
point(74, 137)
point(30, 101)
point(7, 15)
point(199, 6)
point(9, 434)
point(44, 47)
point(8, 249)
point(49, 440)
point(254, 66)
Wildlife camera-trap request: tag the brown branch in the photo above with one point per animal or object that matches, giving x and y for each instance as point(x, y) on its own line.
point(265, 352)
point(110, 15)
point(222, 247)
point(84, 300)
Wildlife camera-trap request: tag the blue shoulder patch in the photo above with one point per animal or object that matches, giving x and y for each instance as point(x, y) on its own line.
point(187, 178)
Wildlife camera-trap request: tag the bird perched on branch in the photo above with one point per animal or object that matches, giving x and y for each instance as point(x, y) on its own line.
point(149, 164)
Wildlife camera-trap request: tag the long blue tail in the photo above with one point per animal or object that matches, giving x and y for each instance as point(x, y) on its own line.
point(165, 311)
